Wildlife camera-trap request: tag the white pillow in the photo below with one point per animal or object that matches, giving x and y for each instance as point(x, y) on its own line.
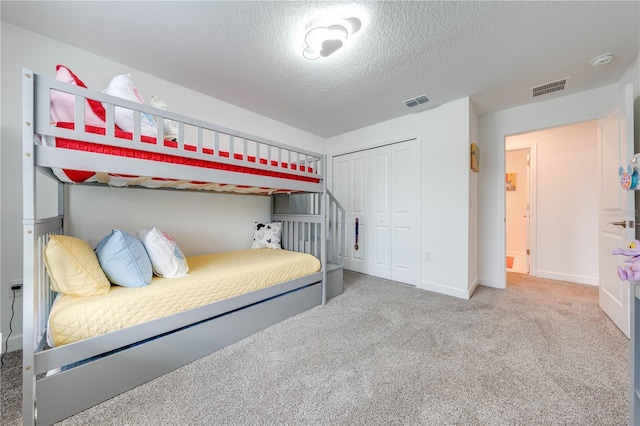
point(63, 105)
point(122, 86)
point(166, 257)
point(267, 235)
point(170, 126)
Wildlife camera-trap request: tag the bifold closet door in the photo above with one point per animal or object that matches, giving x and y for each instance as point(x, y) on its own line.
point(380, 187)
point(405, 212)
point(379, 204)
point(349, 177)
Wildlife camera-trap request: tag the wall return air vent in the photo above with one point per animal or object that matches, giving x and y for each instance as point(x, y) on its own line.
point(551, 87)
point(416, 101)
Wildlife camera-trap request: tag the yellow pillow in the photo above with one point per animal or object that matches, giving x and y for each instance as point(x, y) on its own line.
point(74, 268)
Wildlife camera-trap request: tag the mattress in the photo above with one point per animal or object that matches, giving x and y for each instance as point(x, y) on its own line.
point(89, 176)
point(211, 278)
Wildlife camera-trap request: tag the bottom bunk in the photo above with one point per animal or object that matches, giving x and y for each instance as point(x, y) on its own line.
point(79, 373)
point(106, 377)
point(211, 278)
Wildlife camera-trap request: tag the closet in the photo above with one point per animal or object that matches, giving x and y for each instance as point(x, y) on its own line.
point(380, 190)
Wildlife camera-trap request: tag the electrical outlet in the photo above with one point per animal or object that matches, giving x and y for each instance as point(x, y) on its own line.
point(15, 288)
point(427, 256)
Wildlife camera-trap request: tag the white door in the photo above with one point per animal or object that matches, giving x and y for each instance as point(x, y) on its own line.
point(615, 149)
point(349, 177)
point(405, 212)
point(381, 189)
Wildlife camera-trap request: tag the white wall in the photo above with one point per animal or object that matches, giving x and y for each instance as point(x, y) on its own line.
point(443, 134)
point(199, 222)
point(566, 207)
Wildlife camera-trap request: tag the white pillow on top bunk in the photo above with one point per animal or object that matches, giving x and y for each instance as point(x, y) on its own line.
point(166, 257)
point(267, 235)
point(63, 105)
point(124, 259)
point(74, 268)
point(122, 86)
point(170, 126)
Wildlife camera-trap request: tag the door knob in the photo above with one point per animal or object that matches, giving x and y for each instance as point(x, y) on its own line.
point(622, 223)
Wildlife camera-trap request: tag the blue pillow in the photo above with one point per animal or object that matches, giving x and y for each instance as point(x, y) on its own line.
point(124, 259)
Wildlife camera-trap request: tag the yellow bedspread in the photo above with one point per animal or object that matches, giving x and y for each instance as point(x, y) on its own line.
point(211, 278)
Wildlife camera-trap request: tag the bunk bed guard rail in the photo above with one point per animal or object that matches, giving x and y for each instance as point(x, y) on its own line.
point(198, 140)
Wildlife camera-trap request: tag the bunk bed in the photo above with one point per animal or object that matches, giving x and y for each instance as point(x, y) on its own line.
point(62, 380)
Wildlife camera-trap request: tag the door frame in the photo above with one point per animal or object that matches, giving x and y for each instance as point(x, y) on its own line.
point(493, 131)
point(367, 146)
point(533, 196)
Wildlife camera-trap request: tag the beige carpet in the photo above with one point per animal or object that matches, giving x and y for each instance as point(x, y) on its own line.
point(539, 352)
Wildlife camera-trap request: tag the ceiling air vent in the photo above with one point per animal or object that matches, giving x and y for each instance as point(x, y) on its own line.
point(546, 88)
point(416, 101)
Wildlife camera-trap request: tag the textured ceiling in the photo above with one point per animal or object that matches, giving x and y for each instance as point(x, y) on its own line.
point(250, 53)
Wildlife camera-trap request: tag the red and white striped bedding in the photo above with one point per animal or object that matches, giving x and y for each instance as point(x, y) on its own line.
point(119, 180)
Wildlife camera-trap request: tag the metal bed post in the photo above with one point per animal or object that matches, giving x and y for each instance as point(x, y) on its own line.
point(323, 231)
point(28, 214)
point(36, 303)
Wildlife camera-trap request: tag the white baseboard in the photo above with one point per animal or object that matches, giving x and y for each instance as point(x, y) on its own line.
point(579, 279)
point(14, 343)
point(442, 289)
point(487, 282)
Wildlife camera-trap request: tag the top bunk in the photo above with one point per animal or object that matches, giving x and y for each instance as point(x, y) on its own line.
point(85, 136)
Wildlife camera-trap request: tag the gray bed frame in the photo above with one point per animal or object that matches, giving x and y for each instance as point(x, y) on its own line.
point(127, 358)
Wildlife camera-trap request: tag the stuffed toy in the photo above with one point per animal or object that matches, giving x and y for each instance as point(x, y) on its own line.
point(628, 178)
point(630, 271)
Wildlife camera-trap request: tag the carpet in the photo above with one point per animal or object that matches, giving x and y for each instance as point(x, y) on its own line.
point(539, 352)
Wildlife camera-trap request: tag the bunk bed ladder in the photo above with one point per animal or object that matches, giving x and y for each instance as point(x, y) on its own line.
point(315, 224)
point(336, 245)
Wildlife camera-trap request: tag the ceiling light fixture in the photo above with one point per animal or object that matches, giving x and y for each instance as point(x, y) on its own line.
point(323, 41)
point(602, 59)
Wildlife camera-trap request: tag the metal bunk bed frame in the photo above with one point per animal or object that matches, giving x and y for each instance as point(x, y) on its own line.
point(48, 398)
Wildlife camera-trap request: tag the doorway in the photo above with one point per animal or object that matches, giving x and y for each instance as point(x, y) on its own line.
point(563, 200)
